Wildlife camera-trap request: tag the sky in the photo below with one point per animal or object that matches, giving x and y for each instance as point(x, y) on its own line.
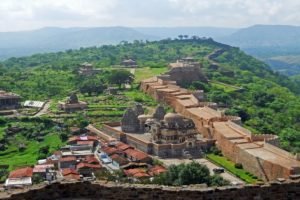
point(18, 15)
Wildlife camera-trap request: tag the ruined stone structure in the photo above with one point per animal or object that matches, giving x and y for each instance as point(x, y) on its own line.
point(186, 71)
point(160, 134)
point(86, 69)
point(9, 100)
point(113, 191)
point(159, 113)
point(259, 155)
point(130, 122)
point(72, 104)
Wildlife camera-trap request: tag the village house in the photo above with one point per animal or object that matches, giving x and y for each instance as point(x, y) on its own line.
point(118, 161)
point(87, 69)
point(130, 63)
point(137, 156)
point(47, 171)
point(87, 170)
point(137, 173)
point(67, 162)
point(70, 174)
point(19, 178)
point(156, 170)
point(9, 100)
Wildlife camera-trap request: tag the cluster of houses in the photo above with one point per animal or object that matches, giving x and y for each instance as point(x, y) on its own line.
point(75, 161)
point(84, 156)
point(134, 163)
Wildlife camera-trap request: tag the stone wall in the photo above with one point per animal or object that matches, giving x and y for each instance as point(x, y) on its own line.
point(258, 154)
point(112, 191)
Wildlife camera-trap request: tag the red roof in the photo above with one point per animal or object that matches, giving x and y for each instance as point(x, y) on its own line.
point(156, 170)
point(91, 160)
point(87, 165)
point(109, 150)
point(68, 171)
point(122, 147)
point(42, 168)
point(71, 174)
point(138, 155)
point(137, 172)
point(82, 138)
point(119, 159)
point(20, 173)
point(85, 142)
point(67, 159)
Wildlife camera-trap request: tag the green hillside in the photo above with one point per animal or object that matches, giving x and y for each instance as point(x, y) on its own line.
point(267, 101)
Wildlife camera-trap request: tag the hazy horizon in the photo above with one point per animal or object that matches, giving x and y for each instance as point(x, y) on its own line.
point(32, 14)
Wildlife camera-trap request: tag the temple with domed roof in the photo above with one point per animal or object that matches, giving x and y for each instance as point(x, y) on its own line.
point(161, 134)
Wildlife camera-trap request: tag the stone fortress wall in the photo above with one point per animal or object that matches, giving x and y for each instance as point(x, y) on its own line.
point(113, 191)
point(258, 154)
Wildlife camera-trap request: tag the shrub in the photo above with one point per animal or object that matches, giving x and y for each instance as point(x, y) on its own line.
point(238, 165)
point(3, 121)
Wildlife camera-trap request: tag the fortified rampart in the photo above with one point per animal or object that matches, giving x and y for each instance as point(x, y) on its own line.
point(258, 154)
point(113, 191)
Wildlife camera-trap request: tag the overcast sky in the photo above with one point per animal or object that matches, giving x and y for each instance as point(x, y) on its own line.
point(32, 14)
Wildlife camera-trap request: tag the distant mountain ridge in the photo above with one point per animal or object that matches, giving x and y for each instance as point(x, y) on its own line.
point(274, 44)
point(273, 39)
point(53, 39)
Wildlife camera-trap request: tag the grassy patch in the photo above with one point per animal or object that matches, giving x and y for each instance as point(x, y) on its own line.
point(225, 87)
point(228, 165)
point(147, 72)
point(14, 158)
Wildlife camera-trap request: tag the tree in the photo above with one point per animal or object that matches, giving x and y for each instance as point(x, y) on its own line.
point(217, 180)
point(120, 77)
point(186, 174)
point(92, 85)
point(180, 37)
point(37, 178)
point(193, 173)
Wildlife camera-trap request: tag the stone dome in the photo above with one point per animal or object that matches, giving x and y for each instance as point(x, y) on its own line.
point(173, 118)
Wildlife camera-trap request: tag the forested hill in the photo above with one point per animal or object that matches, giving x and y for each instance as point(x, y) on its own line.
point(267, 104)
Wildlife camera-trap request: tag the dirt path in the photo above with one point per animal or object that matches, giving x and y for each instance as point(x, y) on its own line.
point(44, 110)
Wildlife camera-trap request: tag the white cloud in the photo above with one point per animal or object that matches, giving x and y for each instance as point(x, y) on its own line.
point(29, 14)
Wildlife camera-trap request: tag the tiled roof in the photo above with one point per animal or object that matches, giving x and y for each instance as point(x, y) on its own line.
point(42, 168)
point(122, 146)
point(82, 138)
point(67, 159)
point(137, 172)
point(119, 159)
point(136, 154)
point(85, 143)
point(20, 173)
point(70, 174)
point(109, 150)
point(68, 171)
point(91, 160)
point(87, 165)
point(156, 170)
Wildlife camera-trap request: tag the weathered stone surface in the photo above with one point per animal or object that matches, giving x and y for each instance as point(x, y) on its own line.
point(130, 122)
point(159, 113)
point(112, 191)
